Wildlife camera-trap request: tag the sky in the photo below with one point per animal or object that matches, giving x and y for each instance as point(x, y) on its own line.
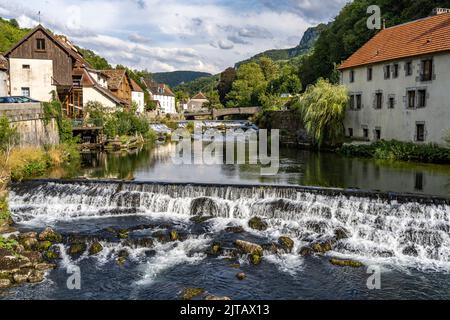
point(170, 35)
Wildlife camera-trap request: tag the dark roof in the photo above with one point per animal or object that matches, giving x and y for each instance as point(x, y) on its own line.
point(200, 96)
point(160, 89)
point(416, 38)
point(115, 78)
point(3, 63)
point(59, 40)
point(87, 81)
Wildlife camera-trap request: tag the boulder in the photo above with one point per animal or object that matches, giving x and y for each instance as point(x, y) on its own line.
point(29, 244)
point(52, 255)
point(257, 223)
point(273, 248)
point(216, 249)
point(95, 248)
point(22, 275)
point(44, 266)
point(236, 229)
point(322, 246)
point(346, 263)
point(77, 249)
point(286, 243)
point(241, 276)
point(27, 235)
point(36, 276)
point(215, 298)
point(306, 251)
point(200, 219)
point(33, 256)
point(122, 257)
point(161, 236)
point(248, 247)
point(123, 234)
point(50, 235)
point(174, 235)
point(12, 264)
point(191, 293)
point(139, 243)
point(5, 283)
point(255, 259)
point(43, 246)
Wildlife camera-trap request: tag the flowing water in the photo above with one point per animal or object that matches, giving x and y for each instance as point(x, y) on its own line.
point(405, 237)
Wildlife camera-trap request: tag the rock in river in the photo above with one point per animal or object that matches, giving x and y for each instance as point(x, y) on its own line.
point(95, 248)
point(50, 235)
point(286, 243)
point(191, 293)
point(257, 223)
point(346, 263)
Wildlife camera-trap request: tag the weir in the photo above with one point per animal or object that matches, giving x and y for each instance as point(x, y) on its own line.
point(401, 227)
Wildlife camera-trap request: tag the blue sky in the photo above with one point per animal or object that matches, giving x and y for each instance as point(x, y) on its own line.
point(169, 35)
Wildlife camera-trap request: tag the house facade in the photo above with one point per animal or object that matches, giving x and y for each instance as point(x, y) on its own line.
point(43, 63)
point(3, 76)
point(119, 83)
point(137, 96)
point(196, 103)
point(399, 82)
point(163, 94)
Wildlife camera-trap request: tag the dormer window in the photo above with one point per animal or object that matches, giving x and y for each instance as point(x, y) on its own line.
point(40, 44)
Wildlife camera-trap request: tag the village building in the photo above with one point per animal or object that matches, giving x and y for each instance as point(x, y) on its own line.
point(42, 64)
point(3, 76)
point(196, 103)
point(119, 83)
point(163, 94)
point(399, 81)
point(137, 96)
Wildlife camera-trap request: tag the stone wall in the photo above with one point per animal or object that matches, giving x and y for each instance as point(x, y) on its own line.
point(292, 130)
point(28, 118)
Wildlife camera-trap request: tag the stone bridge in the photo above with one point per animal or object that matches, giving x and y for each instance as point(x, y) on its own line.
point(219, 114)
point(29, 119)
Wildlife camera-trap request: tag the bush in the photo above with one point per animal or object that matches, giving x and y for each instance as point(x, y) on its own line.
point(8, 134)
point(396, 150)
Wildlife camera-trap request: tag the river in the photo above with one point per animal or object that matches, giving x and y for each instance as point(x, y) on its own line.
point(407, 243)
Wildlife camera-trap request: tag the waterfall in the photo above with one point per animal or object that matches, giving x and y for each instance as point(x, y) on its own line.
point(382, 226)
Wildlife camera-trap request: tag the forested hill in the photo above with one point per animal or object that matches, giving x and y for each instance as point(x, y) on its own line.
point(176, 78)
point(348, 32)
point(306, 44)
point(10, 34)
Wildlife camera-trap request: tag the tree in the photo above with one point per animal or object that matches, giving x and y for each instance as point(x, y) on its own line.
point(249, 86)
point(213, 100)
point(269, 68)
point(322, 108)
point(287, 82)
point(226, 83)
point(14, 23)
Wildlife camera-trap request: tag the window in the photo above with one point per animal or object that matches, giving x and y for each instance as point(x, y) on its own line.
point(387, 72)
point(420, 132)
point(352, 102)
point(422, 99)
point(40, 44)
point(408, 68)
point(378, 100)
point(352, 76)
point(350, 132)
point(395, 70)
point(366, 133)
point(26, 67)
point(411, 99)
point(358, 102)
point(378, 134)
point(427, 70)
point(369, 74)
point(391, 104)
point(26, 92)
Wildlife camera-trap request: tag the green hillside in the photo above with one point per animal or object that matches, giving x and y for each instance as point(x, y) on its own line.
point(176, 78)
point(10, 34)
point(203, 84)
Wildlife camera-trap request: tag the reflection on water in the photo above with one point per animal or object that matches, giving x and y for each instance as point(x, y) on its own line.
point(297, 167)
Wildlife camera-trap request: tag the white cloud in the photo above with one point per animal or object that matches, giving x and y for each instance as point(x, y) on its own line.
point(165, 35)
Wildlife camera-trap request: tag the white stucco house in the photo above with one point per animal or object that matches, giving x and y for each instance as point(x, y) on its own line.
point(3, 76)
point(399, 83)
point(162, 93)
point(196, 103)
point(137, 97)
point(94, 84)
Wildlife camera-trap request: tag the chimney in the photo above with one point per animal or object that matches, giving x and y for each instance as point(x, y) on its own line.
point(438, 11)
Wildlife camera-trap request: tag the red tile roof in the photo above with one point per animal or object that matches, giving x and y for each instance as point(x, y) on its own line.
point(135, 87)
point(115, 78)
point(158, 88)
point(87, 81)
point(416, 38)
point(200, 96)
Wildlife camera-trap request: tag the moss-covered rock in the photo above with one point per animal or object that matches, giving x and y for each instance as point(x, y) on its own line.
point(322, 246)
point(191, 293)
point(51, 255)
point(248, 247)
point(43, 246)
point(255, 259)
point(236, 229)
point(201, 219)
point(29, 244)
point(286, 243)
point(174, 235)
point(123, 234)
point(139, 243)
point(77, 249)
point(257, 223)
point(22, 275)
point(36, 276)
point(216, 298)
point(95, 248)
point(241, 276)
point(216, 249)
point(5, 283)
point(306, 251)
point(346, 263)
point(50, 235)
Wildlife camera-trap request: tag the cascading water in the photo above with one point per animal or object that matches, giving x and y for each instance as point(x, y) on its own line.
point(400, 230)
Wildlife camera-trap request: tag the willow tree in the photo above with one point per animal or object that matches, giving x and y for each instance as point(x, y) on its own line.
point(322, 108)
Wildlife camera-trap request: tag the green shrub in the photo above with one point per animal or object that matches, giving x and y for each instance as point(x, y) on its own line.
point(8, 134)
point(396, 150)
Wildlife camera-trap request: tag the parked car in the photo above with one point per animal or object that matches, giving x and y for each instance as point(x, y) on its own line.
point(17, 99)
